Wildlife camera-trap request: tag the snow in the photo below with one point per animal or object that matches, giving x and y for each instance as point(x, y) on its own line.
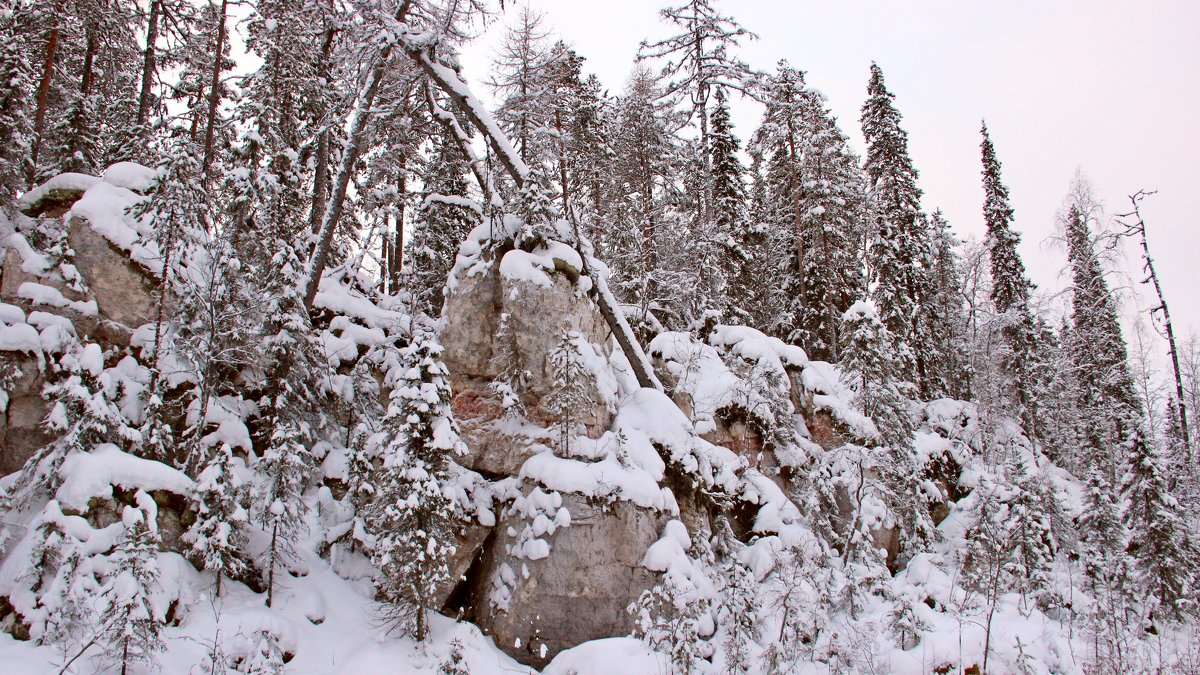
point(131, 176)
point(105, 206)
point(609, 655)
point(75, 182)
point(93, 474)
point(48, 295)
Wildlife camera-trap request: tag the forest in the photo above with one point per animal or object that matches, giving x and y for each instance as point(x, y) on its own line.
point(314, 359)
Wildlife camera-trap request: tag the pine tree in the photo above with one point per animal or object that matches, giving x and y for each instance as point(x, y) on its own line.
point(813, 207)
point(522, 78)
point(945, 320)
point(746, 240)
point(412, 516)
point(569, 394)
point(696, 61)
point(1010, 288)
point(871, 364)
point(741, 605)
point(16, 90)
point(900, 252)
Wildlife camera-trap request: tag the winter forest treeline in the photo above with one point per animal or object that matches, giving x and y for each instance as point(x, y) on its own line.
point(314, 157)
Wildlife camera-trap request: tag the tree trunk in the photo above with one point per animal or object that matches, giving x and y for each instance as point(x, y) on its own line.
point(1152, 276)
point(271, 567)
point(43, 95)
point(321, 172)
point(148, 62)
point(214, 93)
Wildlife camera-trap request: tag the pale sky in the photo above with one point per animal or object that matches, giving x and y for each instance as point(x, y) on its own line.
point(1106, 86)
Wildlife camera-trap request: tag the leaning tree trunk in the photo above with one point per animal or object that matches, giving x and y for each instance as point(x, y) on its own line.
point(1138, 229)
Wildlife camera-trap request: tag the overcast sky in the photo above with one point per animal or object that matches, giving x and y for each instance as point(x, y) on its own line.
point(1110, 87)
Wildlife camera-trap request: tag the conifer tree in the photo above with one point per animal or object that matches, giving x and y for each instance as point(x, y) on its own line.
point(1160, 542)
point(16, 91)
point(569, 390)
point(815, 191)
point(132, 631)
point(1104, 394)
point(900, 248)
point(412, 516)
point(1010, 288)
point(523, 79)
point(746, 240)
point(84, 414)
point(445, 215)
point(697, 60)
point(218, 536)
point(945, 319)
point(872, 365)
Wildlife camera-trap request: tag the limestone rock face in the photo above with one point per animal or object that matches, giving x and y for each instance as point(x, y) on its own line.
point(579, 592)
point(472, 318)
point(22, 432)
point(533, 316)
point(123, 290)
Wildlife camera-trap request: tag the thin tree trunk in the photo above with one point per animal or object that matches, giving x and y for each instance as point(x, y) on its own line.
point(321, 172)
point(271, 568)
point(396, 237)
point(355, 136)
point(1139, 228)
point(148, 62)
point(214, 93)
point(43, 95)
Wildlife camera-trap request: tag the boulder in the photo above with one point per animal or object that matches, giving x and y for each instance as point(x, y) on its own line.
point(579, 592)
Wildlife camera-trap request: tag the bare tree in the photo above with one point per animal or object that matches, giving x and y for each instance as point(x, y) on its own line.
point(1133, 225)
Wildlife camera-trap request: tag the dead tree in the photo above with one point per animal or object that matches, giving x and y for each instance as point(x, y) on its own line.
point(1133, 225)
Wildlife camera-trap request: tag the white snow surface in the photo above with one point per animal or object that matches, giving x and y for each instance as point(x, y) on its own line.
point(93, 474)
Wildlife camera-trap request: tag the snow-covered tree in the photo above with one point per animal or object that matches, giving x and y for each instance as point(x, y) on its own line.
point(1160, 541)
point(900, 249)
point(218, 537)
point(132, 628)
point(873, 368)
point(412, 516)
point(1010, 289)
point(569, 394)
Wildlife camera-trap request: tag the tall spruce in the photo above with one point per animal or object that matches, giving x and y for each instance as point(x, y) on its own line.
point(1011, 288)
point(900, 252)
point(1108, 406)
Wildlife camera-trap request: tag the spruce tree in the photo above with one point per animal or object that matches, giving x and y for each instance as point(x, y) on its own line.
point(412, 516)
point(569, 394)
point(16, 91)
point(1160, 541)
point(218, 537)
point(900, 248)
point(1010, 288)
point(945, 319)
point(1108, 406)
point(872, 365)
point(746, 240)
point(445, 215)
point(132, 632)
